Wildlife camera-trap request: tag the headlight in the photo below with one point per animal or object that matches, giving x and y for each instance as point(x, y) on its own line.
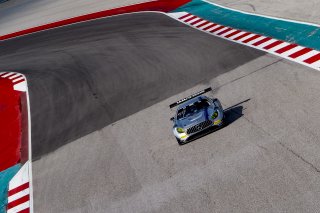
point(214, 115)
point(180, 130)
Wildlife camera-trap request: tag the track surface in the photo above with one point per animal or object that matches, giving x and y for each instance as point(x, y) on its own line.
point(84, 77)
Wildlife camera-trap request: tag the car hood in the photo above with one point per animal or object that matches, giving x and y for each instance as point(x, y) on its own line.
point(194, 119)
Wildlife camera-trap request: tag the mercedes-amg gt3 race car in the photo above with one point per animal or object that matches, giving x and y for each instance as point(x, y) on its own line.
point(196, 115)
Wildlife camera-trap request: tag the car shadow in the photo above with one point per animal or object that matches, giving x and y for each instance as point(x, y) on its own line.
point(234, 112)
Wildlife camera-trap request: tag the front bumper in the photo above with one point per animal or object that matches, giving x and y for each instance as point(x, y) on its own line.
point(216, 124)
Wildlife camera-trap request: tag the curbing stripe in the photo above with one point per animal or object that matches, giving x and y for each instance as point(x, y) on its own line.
point(217, 28)
point(194, 20)
point(209, 26)
point(189, 19)
point(204, 23)
point(20, 193)
point(300, 52)
point(246, 37)
point(308, 55)
point(266, 43)
point(206, 26)
point(313, 59)
point(197, 21)
point(294, 52)
point(184, 16)
point(18, 201)
point(213, 27)
point(18, 189)
point(233, 34)
point(23, 207)
point(221, 30)
point(286, 48)
point(276, 43)
point(224, 31)
point(16, 78)
point(278, 47)
point(251, 39)
point(241, 36)
point(262, 41)
point(238, 34)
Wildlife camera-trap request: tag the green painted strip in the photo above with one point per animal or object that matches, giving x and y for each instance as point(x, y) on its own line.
point(299, 33)
point(5, 177)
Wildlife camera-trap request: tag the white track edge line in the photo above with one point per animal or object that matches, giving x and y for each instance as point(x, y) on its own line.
point(256, 47)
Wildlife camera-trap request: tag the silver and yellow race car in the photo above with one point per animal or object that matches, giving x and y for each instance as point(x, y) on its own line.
point(195, 116)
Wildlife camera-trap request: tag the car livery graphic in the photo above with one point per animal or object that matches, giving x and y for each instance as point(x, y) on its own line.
point(196, 115)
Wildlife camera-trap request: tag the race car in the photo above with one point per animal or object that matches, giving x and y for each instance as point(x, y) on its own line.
point(196, 115)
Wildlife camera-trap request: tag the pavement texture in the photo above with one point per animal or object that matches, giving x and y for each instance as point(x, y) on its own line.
point(290, 9)
point(265, 160)
point(18, 15)
point(102, 137)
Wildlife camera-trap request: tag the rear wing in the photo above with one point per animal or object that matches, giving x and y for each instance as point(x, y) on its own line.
point(190, 97)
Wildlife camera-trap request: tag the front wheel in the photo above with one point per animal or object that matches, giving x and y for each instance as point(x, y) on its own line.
point(179, 141)
point(224, 123)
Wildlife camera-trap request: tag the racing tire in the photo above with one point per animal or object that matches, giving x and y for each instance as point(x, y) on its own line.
point(179, 142)
point(224, 123)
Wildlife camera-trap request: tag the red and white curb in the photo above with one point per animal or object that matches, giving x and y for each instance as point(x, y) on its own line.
point(18, 80)
point(20, 193)
point(303, 55)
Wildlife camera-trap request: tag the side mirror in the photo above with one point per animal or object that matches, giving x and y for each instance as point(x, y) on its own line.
point(172, 119)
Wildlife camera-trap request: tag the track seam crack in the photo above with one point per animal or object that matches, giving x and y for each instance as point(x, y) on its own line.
point(300, 157)
point(254, 124)
point(283, 145)
point(255, 71)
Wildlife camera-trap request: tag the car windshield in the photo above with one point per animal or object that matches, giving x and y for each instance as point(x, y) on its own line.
point(192, 109)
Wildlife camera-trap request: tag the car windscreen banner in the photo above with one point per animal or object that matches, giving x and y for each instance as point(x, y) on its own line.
point(190, 97)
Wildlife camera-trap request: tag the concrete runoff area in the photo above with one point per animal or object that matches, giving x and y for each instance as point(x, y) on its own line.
point(290, 9)
point(119, 76)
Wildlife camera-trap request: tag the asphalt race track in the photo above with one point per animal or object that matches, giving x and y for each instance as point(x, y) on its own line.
point(86, 76)
point(101, 133)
